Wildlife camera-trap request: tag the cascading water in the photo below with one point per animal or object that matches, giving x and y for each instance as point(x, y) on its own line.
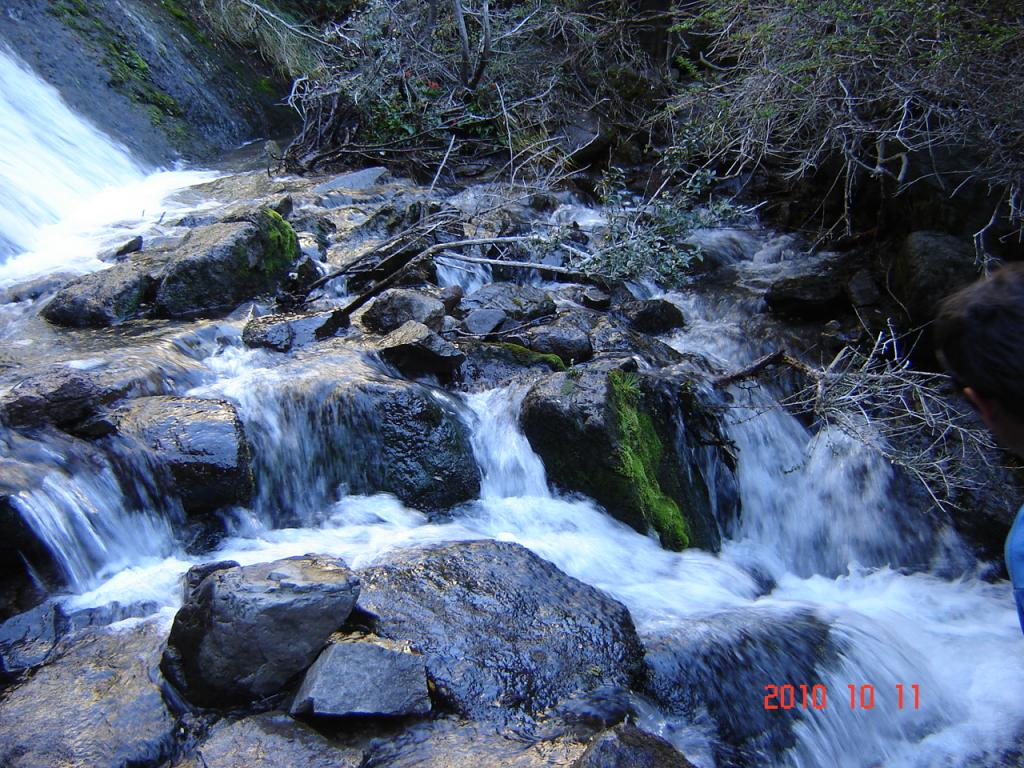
point(63, 184)
point(826, 579)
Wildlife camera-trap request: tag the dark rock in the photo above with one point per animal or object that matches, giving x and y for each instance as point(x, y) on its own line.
point(415, 349)
point(597, 709)
point(811, 286)
point(505, 634)
point(194, 576)
point(703, 667)
point(929, 267)
point(101, 298)
point(495, 364)
point(595, 298)
point(32, 289)
point(627, 452)
point(201, 442)
point(481, 322)
point(363, 678)
point(396, 306)
point(862, 290)
point(652, 316)
point(217, 267)
point(59, 395)
point(299, 279)
point(609, 339)
point(283, 332)
point(132, 246)
point(451, 296)
point(270, 740)
point(451, 743)
point(245, 632)
point(567, 339)
point(626, 746)
point(27, 639)
point(96, 703)
point(519, 302)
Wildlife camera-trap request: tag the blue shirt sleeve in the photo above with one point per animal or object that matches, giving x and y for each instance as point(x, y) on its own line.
point(1014, 554)
point(1018, 595)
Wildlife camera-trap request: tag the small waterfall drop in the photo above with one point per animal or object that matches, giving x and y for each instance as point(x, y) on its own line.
point(66, 189)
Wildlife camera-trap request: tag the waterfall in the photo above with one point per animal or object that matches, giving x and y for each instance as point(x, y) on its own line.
point(64, 185)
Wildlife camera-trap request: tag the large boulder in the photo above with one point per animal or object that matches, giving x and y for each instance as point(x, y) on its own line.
point(929, 267)
point(218, 266)
point(414, 349)
point(270, 740)
point(101, 298)
point(651, 315)
point(200, 442)
point(282, 332)
point(518, 302)
point(497, 364)
point(245, 632)
point(396, 306)
point(615, 436)
point(357, 677)
point(97, 703)
point(505, 634)
point(811, 286)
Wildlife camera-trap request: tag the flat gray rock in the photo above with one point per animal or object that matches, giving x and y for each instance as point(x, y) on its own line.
point(356, 678)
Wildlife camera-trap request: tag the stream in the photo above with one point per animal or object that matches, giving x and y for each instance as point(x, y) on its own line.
point(823, 582)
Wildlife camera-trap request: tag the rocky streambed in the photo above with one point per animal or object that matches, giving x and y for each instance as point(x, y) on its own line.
point(306, 476)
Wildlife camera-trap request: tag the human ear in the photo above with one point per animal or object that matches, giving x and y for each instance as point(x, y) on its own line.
point(985, 407)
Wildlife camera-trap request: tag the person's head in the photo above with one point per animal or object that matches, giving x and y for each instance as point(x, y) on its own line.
point(979, 338)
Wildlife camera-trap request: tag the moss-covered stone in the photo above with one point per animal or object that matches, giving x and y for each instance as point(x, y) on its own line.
point(640, 455)
point(525, 356)
point(282, 243)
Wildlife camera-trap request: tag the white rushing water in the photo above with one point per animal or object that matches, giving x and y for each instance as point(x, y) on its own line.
point(827, 579)
point(66, 190)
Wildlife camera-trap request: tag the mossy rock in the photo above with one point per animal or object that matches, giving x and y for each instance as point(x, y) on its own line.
point(614, 435)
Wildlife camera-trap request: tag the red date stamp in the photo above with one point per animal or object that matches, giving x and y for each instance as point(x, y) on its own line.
point(816, 696)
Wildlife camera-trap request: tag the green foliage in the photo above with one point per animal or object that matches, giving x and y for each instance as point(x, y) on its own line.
point(640, 454)
point(525, 356)
point(648, 238)
point(282, 242)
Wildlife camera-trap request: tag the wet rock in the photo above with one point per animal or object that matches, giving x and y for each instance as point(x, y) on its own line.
point(624, 429)
point(568, 338)
point(245, 632)
point(450, 743)
point(595, 298)
point(862, 290)
point(811, 286)
point(414, 349)
point(626, 746)
point(58, 395)
point(598, 709)
point(653, 316)
point(518, 302)
point(396, 306)
point(363, 678)
point(30, 290)
point(282, 332)
point(694, 669)
point(27, 639)
point(217, 267)
point(505, 635)
point(101, 298)
point(354, 180)
point(132, 246)
point(495, 364)
point(481, 322)
point(451, 296)
point(201, 442)
point(270, 740)
point(97, 703)
point(929, 267)
point(609, 339)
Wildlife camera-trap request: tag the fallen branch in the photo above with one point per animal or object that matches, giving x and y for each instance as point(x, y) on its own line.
point(778, 357)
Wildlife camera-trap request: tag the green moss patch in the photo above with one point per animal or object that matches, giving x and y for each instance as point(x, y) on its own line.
point(640, 452)
point(282, 243)
point(525, 356)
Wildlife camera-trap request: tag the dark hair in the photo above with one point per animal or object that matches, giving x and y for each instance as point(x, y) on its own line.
point(979, 337)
